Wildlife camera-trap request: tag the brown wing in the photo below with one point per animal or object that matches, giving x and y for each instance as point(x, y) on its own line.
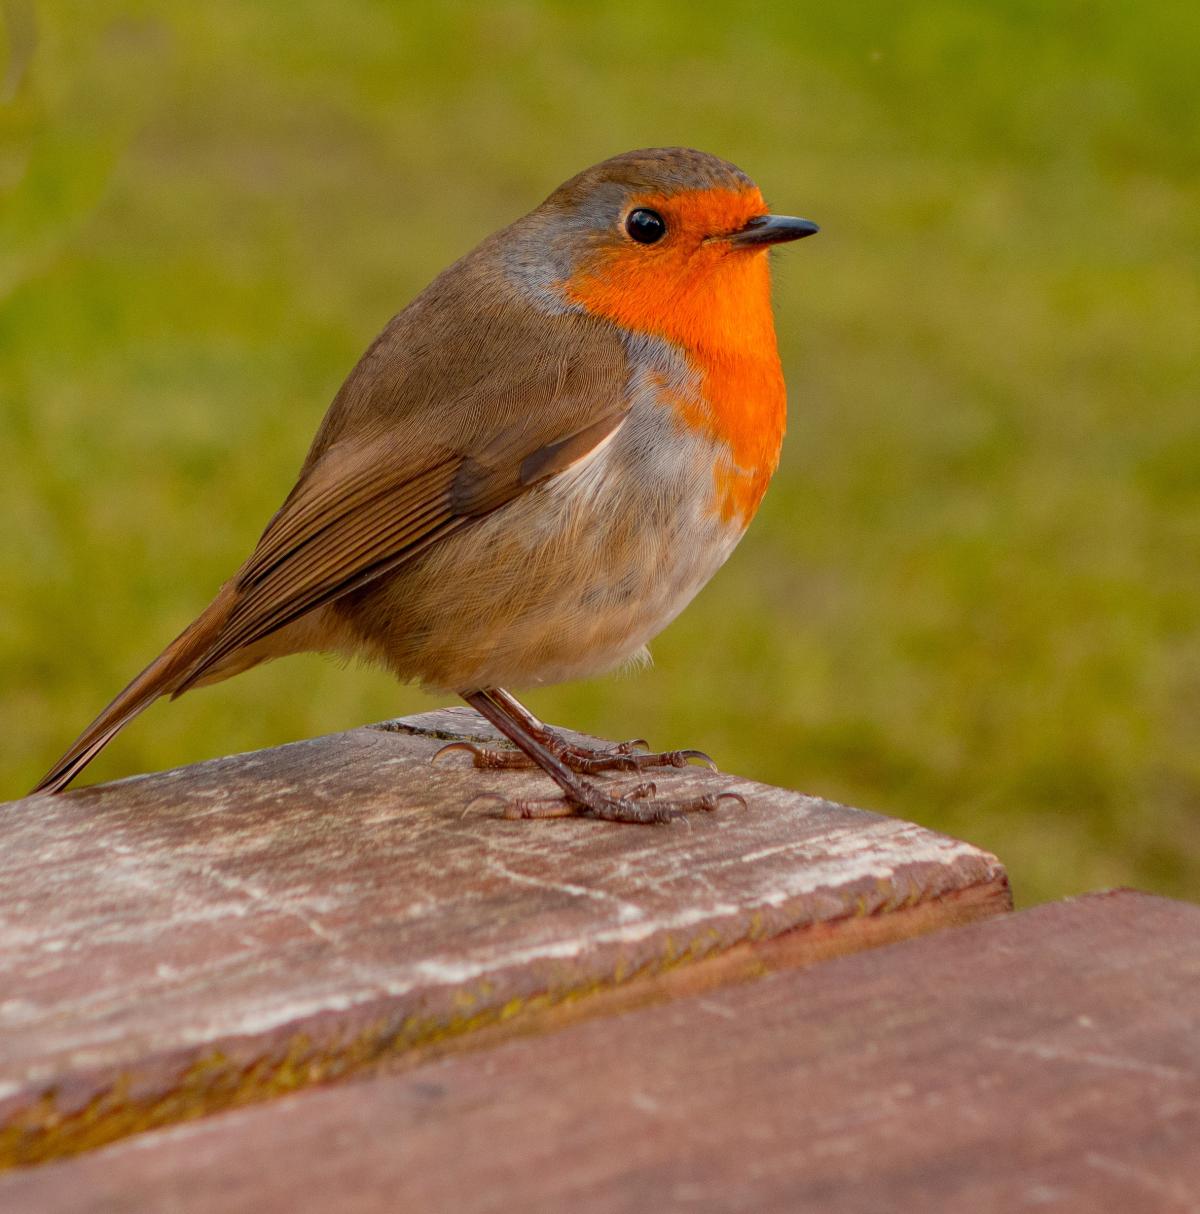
point(441, 422)
point(362, 508)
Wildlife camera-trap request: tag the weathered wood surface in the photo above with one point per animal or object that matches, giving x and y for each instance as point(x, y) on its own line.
point(184, 942)
point(1045, 1061)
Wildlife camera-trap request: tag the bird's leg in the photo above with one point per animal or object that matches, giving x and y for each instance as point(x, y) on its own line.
point(579, 797)
point(624, 756)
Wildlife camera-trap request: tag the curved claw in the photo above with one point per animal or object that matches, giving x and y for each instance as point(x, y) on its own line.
point(732, 796)
point(634, 744)
point(681, 758)
point(470, 747)
point(483, 796)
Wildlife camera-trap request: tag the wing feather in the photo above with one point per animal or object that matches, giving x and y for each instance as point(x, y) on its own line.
point(360, 510)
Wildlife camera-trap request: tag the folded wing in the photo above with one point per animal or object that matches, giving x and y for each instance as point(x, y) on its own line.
point(372, 496)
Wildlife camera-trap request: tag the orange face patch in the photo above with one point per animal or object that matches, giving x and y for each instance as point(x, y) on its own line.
point(713, 302)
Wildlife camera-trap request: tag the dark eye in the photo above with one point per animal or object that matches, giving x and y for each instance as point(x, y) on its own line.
point(646, 227)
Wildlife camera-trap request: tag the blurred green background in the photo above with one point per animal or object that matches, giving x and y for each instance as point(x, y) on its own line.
point(971, 598)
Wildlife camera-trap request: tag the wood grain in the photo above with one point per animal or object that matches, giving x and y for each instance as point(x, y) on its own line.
point(1045, 1061)
point(180, 943)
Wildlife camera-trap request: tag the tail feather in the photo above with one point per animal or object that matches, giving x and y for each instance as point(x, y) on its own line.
point(164, 675)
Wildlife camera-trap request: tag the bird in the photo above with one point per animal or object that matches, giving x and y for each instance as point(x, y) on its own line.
point(534, 467)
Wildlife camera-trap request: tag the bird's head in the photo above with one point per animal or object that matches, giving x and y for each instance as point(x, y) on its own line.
point(668, 241)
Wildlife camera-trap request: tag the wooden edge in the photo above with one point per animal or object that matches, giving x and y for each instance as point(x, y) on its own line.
point(221, 1081)
point(743, 962)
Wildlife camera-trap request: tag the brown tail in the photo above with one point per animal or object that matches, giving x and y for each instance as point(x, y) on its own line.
point(160, 678)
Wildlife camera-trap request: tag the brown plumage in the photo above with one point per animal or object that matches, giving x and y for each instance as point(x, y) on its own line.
point(511, 486)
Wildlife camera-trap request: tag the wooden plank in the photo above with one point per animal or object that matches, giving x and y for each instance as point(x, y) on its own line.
point(179, 943)
point(1043, 1061)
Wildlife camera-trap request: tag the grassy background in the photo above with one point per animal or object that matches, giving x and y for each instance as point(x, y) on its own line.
point(972, 595)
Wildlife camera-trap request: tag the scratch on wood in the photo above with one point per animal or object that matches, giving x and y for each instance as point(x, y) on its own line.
point(1058, 1053)
point(1148, 1182)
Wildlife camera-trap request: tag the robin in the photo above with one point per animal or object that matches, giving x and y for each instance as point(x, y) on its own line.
point(530, 472)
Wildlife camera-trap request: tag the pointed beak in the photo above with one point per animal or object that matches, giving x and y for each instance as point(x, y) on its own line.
point(771, 229)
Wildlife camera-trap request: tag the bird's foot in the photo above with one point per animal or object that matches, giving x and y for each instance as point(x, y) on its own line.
point(585, 761)
point(564, 762)
point(636, 805)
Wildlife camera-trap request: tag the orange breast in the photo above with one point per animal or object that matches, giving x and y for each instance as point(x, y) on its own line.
point(714, 304)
